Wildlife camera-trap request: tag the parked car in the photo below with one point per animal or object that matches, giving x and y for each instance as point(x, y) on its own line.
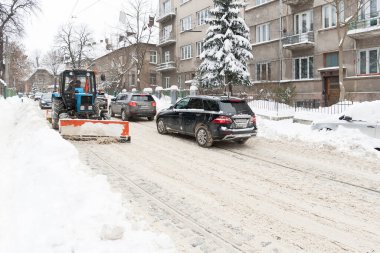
point(45, 101)
point(371, 129)
point(130, 105)
point(37, 96)
point(209, 119)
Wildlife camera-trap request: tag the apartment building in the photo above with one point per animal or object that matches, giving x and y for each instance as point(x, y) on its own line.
point(121, 70)
point(295, 42)
point(182, 29)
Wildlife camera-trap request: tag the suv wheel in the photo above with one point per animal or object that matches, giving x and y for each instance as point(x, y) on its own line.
point(150, 118)
point(124, 116)
point(203, 136)
point(161, 127)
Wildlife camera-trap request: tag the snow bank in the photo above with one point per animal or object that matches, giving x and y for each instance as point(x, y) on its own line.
point(49, 201)
point(367, 111)
point(350, 141)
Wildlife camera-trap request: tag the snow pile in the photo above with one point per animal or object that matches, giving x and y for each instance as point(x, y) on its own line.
point(162, 103)
point(367, 111)
point(346, 140)
point(49, 201)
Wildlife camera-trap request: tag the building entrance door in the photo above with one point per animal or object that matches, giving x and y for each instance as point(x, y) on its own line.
point(331, 90)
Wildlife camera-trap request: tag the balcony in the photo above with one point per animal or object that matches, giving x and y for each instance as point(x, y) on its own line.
point(365, 28)
point(166, 14)
point(166, 66)
point(298, 41)
point(166, 39)
point(295, 2)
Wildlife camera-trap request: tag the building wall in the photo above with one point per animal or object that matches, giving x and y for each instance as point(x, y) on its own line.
point(41, 79)
point(107, 65)
point(281, 17)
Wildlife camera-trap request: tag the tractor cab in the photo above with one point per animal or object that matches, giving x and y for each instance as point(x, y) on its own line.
point(78, 90)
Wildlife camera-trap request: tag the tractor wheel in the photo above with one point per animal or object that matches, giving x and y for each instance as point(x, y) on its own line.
point(57, 108)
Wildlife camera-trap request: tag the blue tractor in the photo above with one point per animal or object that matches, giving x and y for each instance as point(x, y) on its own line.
point(76, 98)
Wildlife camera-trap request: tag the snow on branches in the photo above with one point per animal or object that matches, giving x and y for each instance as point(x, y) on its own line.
point(227, 48)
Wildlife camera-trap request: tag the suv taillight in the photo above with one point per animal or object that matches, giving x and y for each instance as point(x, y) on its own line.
point(223, 120)
point(132, 103)
point(253, 119)
point(154, 104)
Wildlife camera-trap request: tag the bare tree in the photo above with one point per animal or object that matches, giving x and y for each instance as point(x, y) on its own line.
point(75, 43)
point(341, 6)
point(20, 66)
point(52, 61)
point(12, 14)
point(139, 31)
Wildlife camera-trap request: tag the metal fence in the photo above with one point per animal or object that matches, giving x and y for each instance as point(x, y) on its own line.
point(312, 105)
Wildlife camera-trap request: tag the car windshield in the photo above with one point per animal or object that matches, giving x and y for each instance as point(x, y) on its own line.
point(46, 96)
point(235, 107)
point(142, 98)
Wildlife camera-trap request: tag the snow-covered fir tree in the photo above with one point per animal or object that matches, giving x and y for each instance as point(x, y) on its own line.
point(227, 48)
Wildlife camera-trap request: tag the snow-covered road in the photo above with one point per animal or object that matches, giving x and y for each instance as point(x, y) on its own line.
point(265, 196)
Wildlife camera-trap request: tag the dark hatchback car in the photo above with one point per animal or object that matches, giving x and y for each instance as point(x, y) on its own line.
point(130, 105)
point(45, 101)
point(209, 119)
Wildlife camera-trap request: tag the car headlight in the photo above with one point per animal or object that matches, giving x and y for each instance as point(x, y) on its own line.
point(90, 107)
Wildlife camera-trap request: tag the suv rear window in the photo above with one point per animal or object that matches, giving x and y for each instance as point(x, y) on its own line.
point(142, 98)
point(235, 107)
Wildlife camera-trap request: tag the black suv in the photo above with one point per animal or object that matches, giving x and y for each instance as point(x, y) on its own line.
point(209, 119)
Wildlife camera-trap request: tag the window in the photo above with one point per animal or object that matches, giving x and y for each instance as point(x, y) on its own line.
point(200, 47)
point(332, 59)
point(133, 79)
point(186, 24)
point(167, 56)
point(303, 68)
point(184, 1)
point(195, 103)
point(167, 7)
point(370, 13)
point(153, 57)
point(262, 32)
point(182, 104)
point(369, 61)
point(202, 16)
point(167, 82)
point(153, 78)
point(211, 105)
point(263, 71)
point(186, 52)
point(260, 2)
point(303, 22)
point(166, 32)
point(329, 15)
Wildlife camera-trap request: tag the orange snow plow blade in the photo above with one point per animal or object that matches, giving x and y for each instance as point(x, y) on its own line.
point(83, 129)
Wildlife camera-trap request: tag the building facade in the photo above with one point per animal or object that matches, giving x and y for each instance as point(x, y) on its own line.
point(182, 29)
point(41, 80)
point(295, 44)
point(122, 70)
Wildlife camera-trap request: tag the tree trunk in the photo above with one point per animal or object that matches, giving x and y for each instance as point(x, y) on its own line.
point(2, 67)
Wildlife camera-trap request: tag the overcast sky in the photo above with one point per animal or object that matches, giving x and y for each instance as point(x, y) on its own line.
point(99, 15)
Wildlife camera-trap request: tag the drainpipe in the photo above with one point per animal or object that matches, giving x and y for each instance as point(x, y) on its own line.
point(280, 44)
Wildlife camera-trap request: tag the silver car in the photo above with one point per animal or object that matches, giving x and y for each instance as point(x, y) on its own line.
point(130, 105)
point(371, 129)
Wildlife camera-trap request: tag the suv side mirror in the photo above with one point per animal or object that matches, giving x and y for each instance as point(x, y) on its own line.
point(113, 99)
